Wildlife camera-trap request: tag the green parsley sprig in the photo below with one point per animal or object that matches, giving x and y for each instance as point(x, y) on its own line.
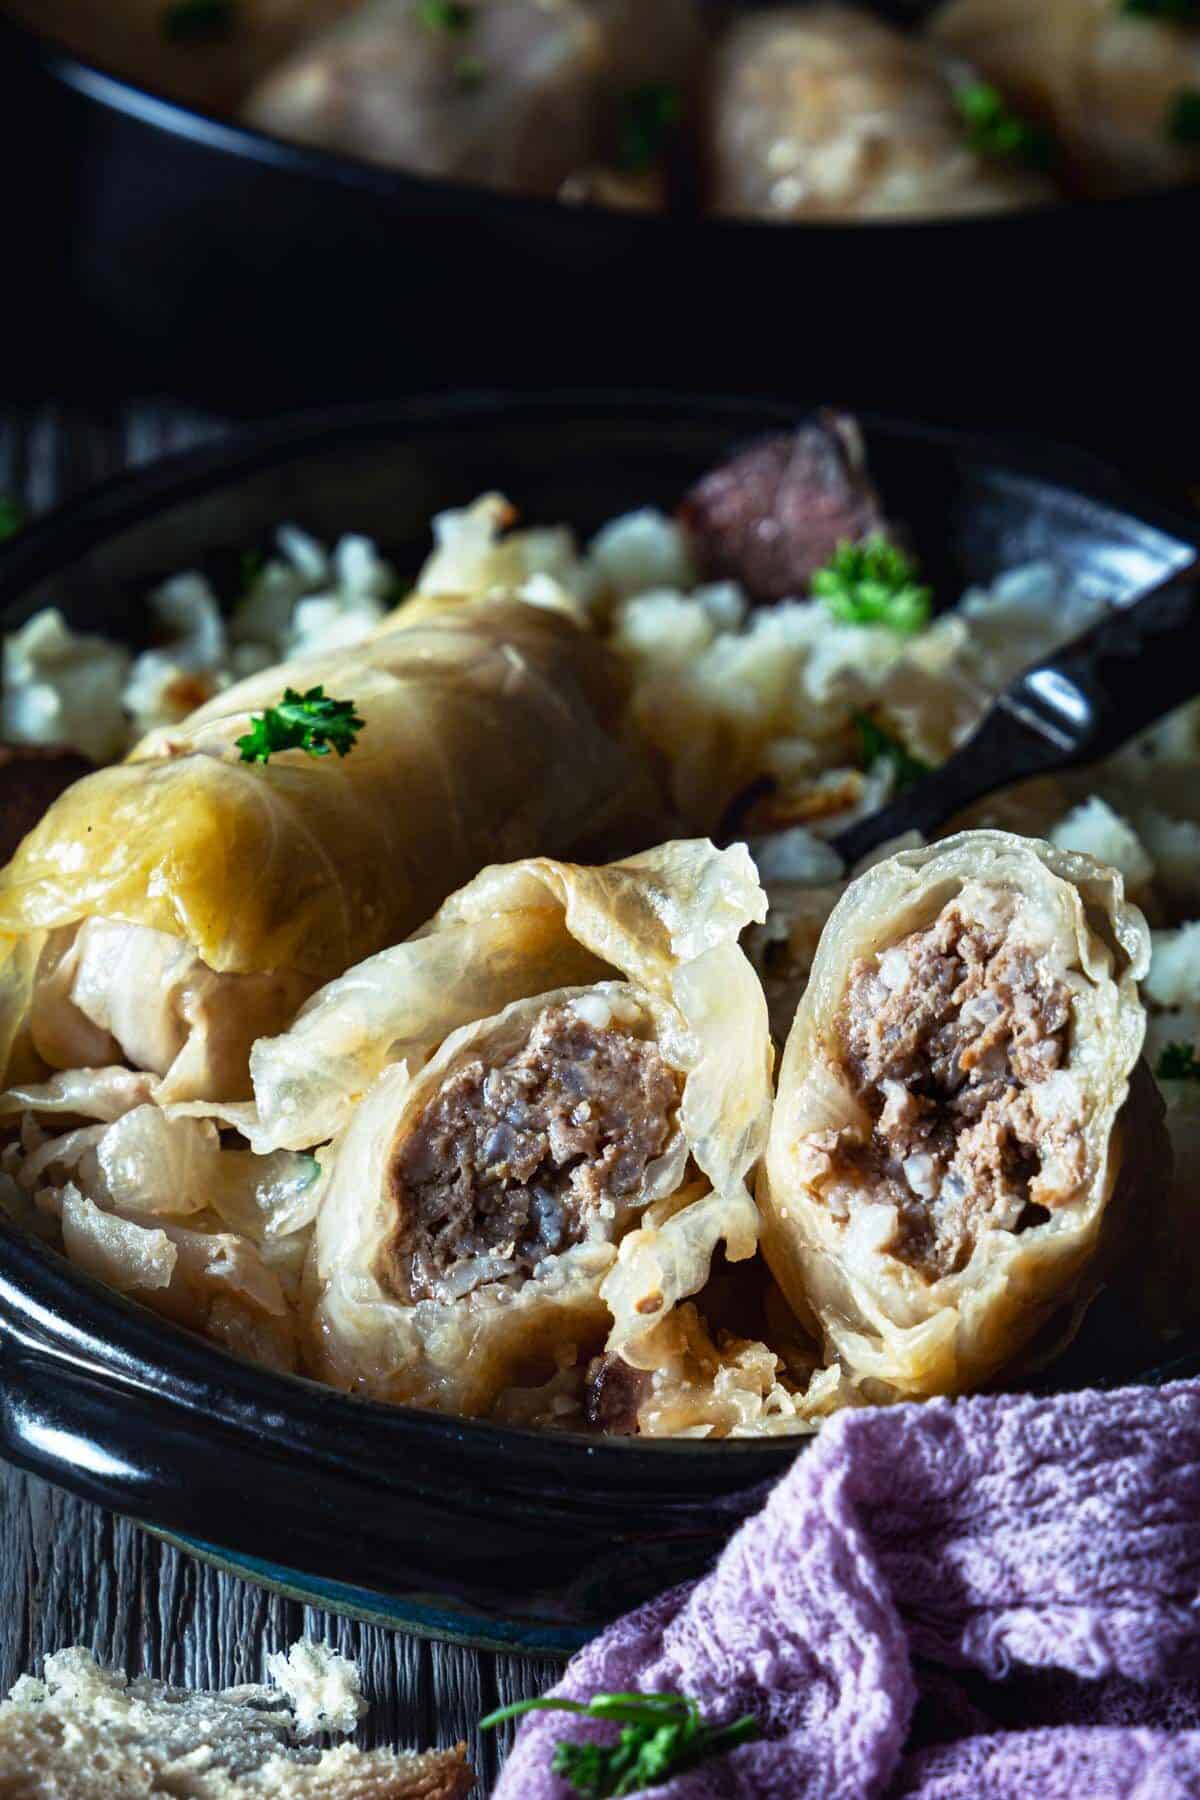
point(874, 583)
point(453, 17)
point(13, 517)
point(1177, 1062)
point(662, 1735)
point(880, 745)
point(1183, 118)
point(649, 117)
point(199, 21)
point(995, 129)
point(310, 722)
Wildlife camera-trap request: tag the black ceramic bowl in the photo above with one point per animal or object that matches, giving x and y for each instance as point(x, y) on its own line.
point(451, 1527)
point(147, 241)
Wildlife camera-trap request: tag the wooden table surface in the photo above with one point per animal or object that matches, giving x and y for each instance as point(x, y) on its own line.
point(73, 1574)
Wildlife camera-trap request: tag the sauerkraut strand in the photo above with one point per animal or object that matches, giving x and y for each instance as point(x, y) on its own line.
point(155, 1206)
point(559, 1050)
point(962, 1129)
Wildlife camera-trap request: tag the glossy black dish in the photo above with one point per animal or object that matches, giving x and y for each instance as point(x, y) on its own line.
point(153, 242)
point(447, 1526)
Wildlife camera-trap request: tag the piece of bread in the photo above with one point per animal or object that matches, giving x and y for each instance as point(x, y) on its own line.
point(87, 1733)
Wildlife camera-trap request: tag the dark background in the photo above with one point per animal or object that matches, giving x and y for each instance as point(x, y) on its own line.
point(148, 255)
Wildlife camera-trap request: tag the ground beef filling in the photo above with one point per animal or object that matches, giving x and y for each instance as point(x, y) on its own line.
point(512, 1164)
point(945, 1035)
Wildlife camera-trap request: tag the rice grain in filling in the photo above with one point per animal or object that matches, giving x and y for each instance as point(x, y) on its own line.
point(510, 1164)
point(947, 1036)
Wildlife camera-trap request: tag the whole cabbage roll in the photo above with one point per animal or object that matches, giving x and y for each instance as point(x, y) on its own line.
point(1107, 79)
point(824, 112)
point(963, 1136)
point(540, 1116)
point(166, 912)
point(520, 96)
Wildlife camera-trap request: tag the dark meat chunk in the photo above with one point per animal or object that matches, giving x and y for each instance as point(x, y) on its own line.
point(31, 779)
point(779, 510)
point(516, 1162)
point(614, 1394)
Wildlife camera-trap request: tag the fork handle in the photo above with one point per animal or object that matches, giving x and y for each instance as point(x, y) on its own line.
point(1134, 667)
point(1081, 704)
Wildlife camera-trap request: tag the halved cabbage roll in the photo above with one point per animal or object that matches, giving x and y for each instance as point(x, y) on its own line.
point(166, 912)
point(963, 1131)
point(544, 1110)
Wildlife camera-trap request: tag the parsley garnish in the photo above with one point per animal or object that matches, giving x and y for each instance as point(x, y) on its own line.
point(662, 1735)
point(451, 16)
point(199, 21)
point(873, 583)
point(649, 115)
point(302, 722)
point(1186, 12)
point(1183, 118)
point(1177, 1062)
point(994, 129)
point(469, 71)
point(880, 745)
point(12, 517)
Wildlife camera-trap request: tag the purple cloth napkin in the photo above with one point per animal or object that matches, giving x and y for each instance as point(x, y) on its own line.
point(962, 1600)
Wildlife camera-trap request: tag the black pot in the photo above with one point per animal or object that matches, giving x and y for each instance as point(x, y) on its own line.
point(148, 242)
point(458, 1528)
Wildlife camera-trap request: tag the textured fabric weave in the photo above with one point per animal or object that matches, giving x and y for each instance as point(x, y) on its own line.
point(961, 1600)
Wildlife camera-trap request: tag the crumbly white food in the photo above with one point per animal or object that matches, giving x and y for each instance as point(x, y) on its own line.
point(64, 687)
point(322, 1686)
point(731, 693)
point(86, 1733)
point(1099, 832)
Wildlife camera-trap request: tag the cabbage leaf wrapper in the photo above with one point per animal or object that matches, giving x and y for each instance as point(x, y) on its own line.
point(964, 1138)
point(492, 730)
point(559, 1050)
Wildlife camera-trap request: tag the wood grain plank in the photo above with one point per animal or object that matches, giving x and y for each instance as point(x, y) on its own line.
point(72, 1574)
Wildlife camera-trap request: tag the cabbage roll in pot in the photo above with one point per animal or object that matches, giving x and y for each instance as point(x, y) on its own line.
point(1115, 83)
point(518, 94)
point(166, 912)
point(539, 1117)
point(963, 1134)
point(826, 112)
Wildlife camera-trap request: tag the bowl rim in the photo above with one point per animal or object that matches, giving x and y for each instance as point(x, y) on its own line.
point(120, 95)
point(68, 530)
point(40, 1290)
